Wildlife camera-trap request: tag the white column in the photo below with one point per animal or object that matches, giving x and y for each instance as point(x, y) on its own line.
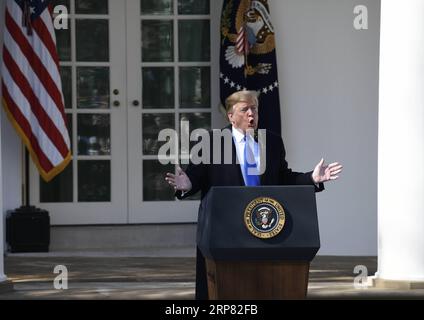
point(401, 144)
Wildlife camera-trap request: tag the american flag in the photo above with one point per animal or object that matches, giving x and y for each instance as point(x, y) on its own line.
point(241, 41)
point(31, 84)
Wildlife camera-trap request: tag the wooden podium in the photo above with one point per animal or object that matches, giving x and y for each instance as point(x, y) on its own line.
point(240, 264)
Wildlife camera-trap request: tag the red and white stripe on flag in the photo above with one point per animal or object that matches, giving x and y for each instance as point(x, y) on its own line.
point(31, 84)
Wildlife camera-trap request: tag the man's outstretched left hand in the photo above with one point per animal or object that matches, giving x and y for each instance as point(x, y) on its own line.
point(323, 173)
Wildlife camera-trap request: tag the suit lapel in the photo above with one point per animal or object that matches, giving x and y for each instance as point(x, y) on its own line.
point(236, 165)
point(264, 150)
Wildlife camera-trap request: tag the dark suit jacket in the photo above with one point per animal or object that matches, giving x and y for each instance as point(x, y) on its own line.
point(204, 176)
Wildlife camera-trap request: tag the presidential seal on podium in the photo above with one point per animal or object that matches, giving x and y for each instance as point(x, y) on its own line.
point(264, 217)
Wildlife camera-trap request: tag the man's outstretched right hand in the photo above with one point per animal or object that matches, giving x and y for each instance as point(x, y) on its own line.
point(179, 181)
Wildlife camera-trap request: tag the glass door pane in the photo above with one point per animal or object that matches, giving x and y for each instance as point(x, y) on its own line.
point(169, 72)
point(129, 69)
point(92, 189)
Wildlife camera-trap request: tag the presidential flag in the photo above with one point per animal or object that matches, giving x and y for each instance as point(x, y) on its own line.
point(247, 58)
point(31, 85)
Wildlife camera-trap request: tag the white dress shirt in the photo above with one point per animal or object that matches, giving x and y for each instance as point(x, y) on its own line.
point(240, 143)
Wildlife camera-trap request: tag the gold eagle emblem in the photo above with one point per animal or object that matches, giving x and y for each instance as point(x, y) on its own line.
point(255, 35)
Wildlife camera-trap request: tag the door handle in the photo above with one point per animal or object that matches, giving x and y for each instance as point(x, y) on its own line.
point(136, 103)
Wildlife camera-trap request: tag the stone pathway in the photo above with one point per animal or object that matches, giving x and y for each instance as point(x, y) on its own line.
point(161, 278)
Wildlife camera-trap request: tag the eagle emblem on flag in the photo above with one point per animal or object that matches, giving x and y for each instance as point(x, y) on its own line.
point(255, 35)
point(247, 57)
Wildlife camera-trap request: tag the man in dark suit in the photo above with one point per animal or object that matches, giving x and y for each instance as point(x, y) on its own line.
point(252, 163)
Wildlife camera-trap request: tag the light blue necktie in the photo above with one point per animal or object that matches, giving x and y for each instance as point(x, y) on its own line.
point(252, 179)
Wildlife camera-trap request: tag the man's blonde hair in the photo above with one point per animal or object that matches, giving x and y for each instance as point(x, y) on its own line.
point(240, 96)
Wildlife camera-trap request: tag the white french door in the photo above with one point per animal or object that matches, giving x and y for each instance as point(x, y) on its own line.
point(129, 69)
point(169, 72)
